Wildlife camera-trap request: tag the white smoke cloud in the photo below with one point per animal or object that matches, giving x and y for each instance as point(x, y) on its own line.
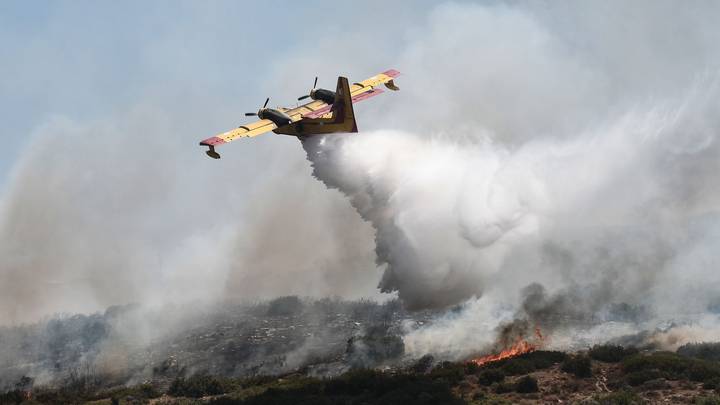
point(530, 160)
point(593, 212)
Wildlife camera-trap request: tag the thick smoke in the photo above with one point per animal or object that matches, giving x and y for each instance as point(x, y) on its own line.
point(548, 179)
point(105, 213)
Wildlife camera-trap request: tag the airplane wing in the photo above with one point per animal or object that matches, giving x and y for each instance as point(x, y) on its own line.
point(385, 78)
point(244, 131)
point(358, 91)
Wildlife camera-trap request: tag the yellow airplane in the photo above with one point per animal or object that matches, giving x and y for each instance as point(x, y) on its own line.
point(328, 112)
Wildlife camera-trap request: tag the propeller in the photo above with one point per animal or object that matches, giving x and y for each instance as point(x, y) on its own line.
point(308, 95)
point(253, 114)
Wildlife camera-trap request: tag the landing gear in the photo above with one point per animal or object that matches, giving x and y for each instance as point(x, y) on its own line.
point(211, 152)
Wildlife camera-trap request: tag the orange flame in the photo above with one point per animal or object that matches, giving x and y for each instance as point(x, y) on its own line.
point(521, 346)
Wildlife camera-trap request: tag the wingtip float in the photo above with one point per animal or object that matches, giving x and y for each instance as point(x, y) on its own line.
point(328, 112)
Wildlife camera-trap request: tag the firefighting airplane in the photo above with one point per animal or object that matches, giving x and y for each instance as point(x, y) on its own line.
point(328, 112)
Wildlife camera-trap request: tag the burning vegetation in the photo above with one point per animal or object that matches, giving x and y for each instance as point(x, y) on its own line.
point(292, 350)
point(625, 376)
point(520, 346)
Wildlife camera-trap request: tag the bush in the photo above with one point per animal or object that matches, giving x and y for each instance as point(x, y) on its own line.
point(611, 353)
point(639, 377)
point(518, 366)
point(285, 306)
point(620, 398)
point(198, 386)
point(699, 370)
point(448, 372)
point(579, 366)
point(712, 383)
point(142, 391)
point(672, 366)
point(705, 351)
point(526, 385)
point(377, 345)
point(709, 400)
point(471, 367)
point(356, 387)
point(12, 397)
point(491, 376)
point(504, 388)
point(491, 400)
point(424, 364)
point(528, 362)
point(655, 385)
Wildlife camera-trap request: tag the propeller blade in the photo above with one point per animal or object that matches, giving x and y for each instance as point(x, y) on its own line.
point(266, 101)
point(303, 97)
point(250, 114)
point(315, 84)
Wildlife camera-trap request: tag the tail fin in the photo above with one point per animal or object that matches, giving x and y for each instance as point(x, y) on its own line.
point(342, 107)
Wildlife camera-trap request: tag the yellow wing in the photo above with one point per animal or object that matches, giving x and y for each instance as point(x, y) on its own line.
point(358, 91)
point(244, 131)
point(385, 78)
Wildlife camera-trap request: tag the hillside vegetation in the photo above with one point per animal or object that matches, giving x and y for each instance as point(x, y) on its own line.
point(604, 374)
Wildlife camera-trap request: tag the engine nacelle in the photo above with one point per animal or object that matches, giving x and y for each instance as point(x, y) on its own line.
point(278, 117)
point(323, 95)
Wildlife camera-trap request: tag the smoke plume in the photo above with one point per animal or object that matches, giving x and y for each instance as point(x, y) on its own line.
point(543, 178)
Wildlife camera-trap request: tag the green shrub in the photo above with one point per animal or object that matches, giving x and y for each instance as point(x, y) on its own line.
point(620, 398)
point(12, 397)
point(579, 366)
point(424, 364)
point(518, 366)
point(198, 386)
point(490, 376)
point(712, 383)
point(705, 351)
point(700, 370)
point(504, 388)
point(528, 362)
point(142, 391)
point(356, 387)
point(707, 400)
point(226, 401)
point(542, 359)
point(526, 385)
point(375, 346)
point(491, 400)
point(611, 353)
point(655, 384)
point(285, 306)
point(638, 377)
point(448, 372)
point(672, 366)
